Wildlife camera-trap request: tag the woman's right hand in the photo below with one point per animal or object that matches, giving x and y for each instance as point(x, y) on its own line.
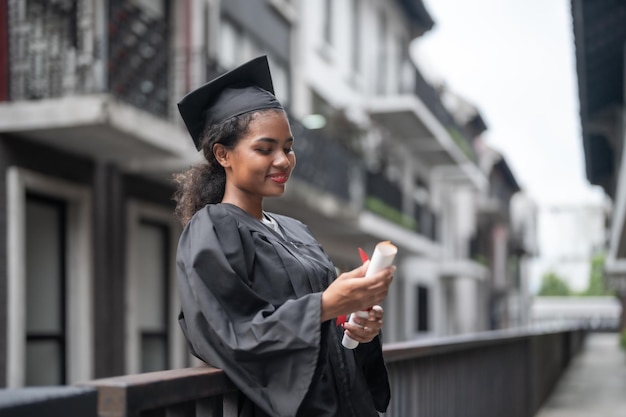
point(351, 291)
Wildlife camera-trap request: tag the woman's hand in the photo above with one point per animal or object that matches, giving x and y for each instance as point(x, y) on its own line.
point(366, 329)
point(352, 291)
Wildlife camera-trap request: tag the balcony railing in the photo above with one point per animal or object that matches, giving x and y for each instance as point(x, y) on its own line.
point(504, 373)
point(384, 198)
point(322, 162)
point(57, 49)
point(138, 56)
point(431, 98)
point(51, 49)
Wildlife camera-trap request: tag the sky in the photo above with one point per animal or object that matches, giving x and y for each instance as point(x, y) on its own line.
point(514, 61)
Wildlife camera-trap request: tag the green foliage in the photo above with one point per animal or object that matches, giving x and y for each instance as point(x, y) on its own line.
point(596, 277)
point(553, 285)
point(481, 259)
point(461, 142)
point(376, 205)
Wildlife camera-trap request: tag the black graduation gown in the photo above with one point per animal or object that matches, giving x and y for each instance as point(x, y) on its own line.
point(251, 305)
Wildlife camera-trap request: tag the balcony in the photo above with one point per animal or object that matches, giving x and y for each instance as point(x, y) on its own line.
point(86, 89)
point(421, 122)
point(503, 373)
point(345, 204)
point(384, 198)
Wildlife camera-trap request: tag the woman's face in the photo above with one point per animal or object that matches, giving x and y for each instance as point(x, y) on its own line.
point(262, 160)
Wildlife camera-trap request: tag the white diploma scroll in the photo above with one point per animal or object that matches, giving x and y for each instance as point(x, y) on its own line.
point(383, 256)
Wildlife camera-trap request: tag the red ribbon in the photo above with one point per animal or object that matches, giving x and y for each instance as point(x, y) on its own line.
point(364, 258)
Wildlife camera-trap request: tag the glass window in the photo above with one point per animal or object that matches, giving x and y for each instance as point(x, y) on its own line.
point(153, 286)
point(237, 47)
point(421, 308)
point(327, 21)
point(381, 77)
point(356, 35)
point(45, 289)
point(229, 51)
point(280, 80)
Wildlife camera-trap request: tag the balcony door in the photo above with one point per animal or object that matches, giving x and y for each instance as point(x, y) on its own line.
point(153, 305)
point(49, 280)
point(154, 340)
point(46, 353)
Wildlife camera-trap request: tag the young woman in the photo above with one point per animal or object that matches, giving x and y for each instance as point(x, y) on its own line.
point(259, 295)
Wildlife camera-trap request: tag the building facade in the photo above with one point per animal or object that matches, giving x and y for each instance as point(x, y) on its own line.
point(90, 137)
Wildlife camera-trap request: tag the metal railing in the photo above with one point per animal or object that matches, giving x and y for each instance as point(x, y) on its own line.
point(322, 162)
point(500, 373)
point(493, 374)
point(431, 98)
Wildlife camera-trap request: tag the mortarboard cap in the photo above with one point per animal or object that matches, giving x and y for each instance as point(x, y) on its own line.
point(242, 90)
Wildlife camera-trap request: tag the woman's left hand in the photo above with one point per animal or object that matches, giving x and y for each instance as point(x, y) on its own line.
point(366, 329)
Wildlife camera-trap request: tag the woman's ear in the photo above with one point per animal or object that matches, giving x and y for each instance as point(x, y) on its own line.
point(221, 154)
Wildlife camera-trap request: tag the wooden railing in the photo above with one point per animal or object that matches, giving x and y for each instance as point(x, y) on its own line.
point(493, 374)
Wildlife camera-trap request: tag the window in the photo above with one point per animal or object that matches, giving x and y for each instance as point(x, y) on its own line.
point(153, 305)
point(49, 280)
point(421, 309)
point(154, 341)
point(356, 35)
point(381, 77)
point(327, 23)
point(45, 291)
point(280, 80)
point(237, 47)
point(229, 50)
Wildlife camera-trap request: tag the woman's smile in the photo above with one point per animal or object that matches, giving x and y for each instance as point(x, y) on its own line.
point(280, 178)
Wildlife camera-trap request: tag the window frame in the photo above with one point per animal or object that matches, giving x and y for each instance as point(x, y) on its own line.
point(138, 211)
point(79, 277)
point(61, 335)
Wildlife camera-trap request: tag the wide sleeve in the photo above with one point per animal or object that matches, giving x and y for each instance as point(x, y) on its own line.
point(370, 358)
point(269, 351)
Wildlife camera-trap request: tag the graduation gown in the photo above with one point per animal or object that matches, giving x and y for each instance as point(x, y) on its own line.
point(251, 305)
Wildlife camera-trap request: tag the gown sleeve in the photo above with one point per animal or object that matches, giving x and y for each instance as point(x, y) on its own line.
point(370, 358)
point(270, 352)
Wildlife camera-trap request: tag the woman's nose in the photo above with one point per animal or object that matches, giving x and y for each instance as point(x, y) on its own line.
point(282, 160)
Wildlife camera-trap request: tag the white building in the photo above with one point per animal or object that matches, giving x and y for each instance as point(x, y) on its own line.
point(90, 136)
point(353, 57)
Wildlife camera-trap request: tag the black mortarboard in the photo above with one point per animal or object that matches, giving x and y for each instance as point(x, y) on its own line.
point(244, 89)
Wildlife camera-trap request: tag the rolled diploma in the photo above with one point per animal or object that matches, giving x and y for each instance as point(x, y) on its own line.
point(383, 256)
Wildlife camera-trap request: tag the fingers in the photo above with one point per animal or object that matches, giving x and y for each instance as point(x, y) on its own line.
point(358, 272)
point(377, 285)
point(365, 329)
point(376, 313)
point(351, 291)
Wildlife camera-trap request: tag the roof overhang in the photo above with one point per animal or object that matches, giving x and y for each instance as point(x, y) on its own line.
point(100, 127)
point(418, 15)
point(599, 38)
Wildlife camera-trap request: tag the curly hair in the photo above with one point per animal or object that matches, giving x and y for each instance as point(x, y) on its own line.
point(205, 183)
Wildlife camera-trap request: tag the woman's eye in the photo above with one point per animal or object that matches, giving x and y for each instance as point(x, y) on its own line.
point(264, 151)
point(288, 150)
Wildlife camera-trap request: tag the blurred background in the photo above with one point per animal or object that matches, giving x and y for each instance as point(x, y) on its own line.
point(483, 138)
